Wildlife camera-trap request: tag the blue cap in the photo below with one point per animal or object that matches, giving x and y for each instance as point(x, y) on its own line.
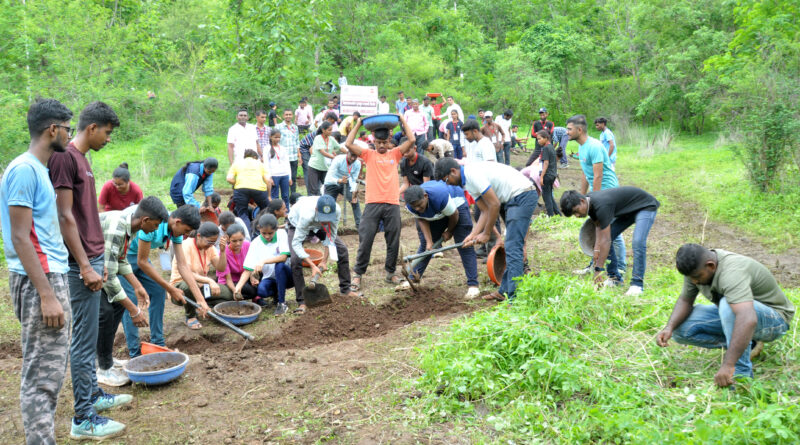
point(271, 104)
point(543, 110)
point(326, 209)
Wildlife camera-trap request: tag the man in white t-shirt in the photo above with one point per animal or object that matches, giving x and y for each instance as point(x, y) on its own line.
point(479, 148)
point(504, 122)
point(452, 105)
point(383, 106)
point(494, 185)
point(242, 136)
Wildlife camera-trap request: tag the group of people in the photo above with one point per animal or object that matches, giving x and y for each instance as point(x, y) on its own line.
point(78, 267)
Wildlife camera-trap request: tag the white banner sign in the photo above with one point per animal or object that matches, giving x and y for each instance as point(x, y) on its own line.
point(359, 98)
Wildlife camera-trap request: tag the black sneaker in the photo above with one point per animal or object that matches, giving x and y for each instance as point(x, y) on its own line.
point(280, 309)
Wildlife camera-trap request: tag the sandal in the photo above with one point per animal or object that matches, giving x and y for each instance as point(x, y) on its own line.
point(494, 296)
point(355, 283)
point(300, 310)
point(394, 279)
point(193, 324)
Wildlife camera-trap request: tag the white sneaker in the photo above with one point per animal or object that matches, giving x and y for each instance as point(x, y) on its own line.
point(584, 271)
point(634, 291)
point(112, 377)
point(610, 282)
point(472, 292)
point(120, 363)
point(438, 255)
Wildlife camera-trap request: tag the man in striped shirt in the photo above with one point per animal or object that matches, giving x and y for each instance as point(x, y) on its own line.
point(290, 140)
point(118, 229)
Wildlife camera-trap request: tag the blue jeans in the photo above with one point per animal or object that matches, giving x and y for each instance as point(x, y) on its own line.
point(277, 285)
point(504, 155)
point(281, 186)
point(519, 211)
point(619, 248)
point(155, 311)
point(83, 349)
point(457, 152)
point(709, 326)
point(463, 228)
point(339, 189)
point(644, 220)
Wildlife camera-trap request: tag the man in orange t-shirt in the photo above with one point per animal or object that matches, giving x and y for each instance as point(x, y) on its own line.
point(382, 200)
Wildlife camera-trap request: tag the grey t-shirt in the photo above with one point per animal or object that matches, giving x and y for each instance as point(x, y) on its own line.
point(739, 279)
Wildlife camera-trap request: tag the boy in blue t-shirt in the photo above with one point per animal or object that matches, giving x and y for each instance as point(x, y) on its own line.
point(442, 213)
point(37, 268)
point(169, 233)
point(607, 139)
point(598, 174)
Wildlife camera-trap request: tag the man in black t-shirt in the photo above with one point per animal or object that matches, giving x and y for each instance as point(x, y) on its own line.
point(415, 169)
point(542, 124)
point(272, 118)
point(614, 210)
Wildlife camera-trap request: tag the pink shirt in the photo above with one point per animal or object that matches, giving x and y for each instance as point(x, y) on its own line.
point(303, 115)
point(417, 121)
point(235, 264)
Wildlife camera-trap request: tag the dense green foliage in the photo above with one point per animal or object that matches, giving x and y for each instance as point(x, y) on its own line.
point(688, 64)
point(567, 364)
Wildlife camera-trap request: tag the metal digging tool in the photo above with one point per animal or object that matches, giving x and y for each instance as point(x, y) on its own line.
point(411, 261)
point(315, 293)
point(221, 320)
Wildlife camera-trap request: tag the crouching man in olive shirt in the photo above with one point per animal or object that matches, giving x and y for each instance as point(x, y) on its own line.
point(749, 307)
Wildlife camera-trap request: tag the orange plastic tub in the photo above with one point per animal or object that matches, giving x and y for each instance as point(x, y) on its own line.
point(149, 348)
point(496, 264)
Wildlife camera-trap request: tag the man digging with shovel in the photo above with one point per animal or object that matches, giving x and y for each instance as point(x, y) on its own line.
point(442, 213)
point(316, 216)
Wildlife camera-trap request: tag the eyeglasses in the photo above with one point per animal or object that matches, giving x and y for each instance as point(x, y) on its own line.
point(70, 130)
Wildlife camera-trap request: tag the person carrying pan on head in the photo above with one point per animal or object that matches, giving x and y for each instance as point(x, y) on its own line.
point(316, 216)
point(494, 185)
point(382, 198)
point(442, 213)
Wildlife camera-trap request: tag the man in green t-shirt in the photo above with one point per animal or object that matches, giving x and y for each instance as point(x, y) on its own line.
point(749, 307)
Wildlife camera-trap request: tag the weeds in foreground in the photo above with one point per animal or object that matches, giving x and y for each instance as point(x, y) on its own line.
point(568, 364)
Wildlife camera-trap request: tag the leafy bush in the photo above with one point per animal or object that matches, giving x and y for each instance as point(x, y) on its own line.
point(568, 364)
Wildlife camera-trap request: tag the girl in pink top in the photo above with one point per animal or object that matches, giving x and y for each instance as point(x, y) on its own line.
point(235, 254)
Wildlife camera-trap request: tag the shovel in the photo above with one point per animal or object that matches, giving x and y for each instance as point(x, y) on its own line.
point(223, 321)
point(315, 293)
point(411, 261)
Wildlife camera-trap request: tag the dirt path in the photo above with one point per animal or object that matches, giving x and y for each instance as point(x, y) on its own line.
point(335, 374)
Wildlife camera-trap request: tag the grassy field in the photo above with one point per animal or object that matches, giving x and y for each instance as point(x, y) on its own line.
point(565, 364)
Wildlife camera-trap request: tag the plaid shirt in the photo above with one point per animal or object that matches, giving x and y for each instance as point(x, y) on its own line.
point(290, 139)
point(116, 227)
point(262, 136)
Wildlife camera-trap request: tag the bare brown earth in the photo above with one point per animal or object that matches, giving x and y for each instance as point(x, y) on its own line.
point(340, 373)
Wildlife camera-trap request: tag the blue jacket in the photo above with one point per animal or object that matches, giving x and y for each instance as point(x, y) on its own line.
point(187, 181)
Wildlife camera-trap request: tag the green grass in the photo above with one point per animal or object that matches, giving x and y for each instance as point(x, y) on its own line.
point(568, 364)
point(694, 169)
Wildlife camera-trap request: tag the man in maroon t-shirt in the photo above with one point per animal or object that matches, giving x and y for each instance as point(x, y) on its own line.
point(541, 124)
point(76, 200)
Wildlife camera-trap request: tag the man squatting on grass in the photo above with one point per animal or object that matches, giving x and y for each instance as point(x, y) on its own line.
point(613, 211)
point(749, 308)
point(37, 268)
